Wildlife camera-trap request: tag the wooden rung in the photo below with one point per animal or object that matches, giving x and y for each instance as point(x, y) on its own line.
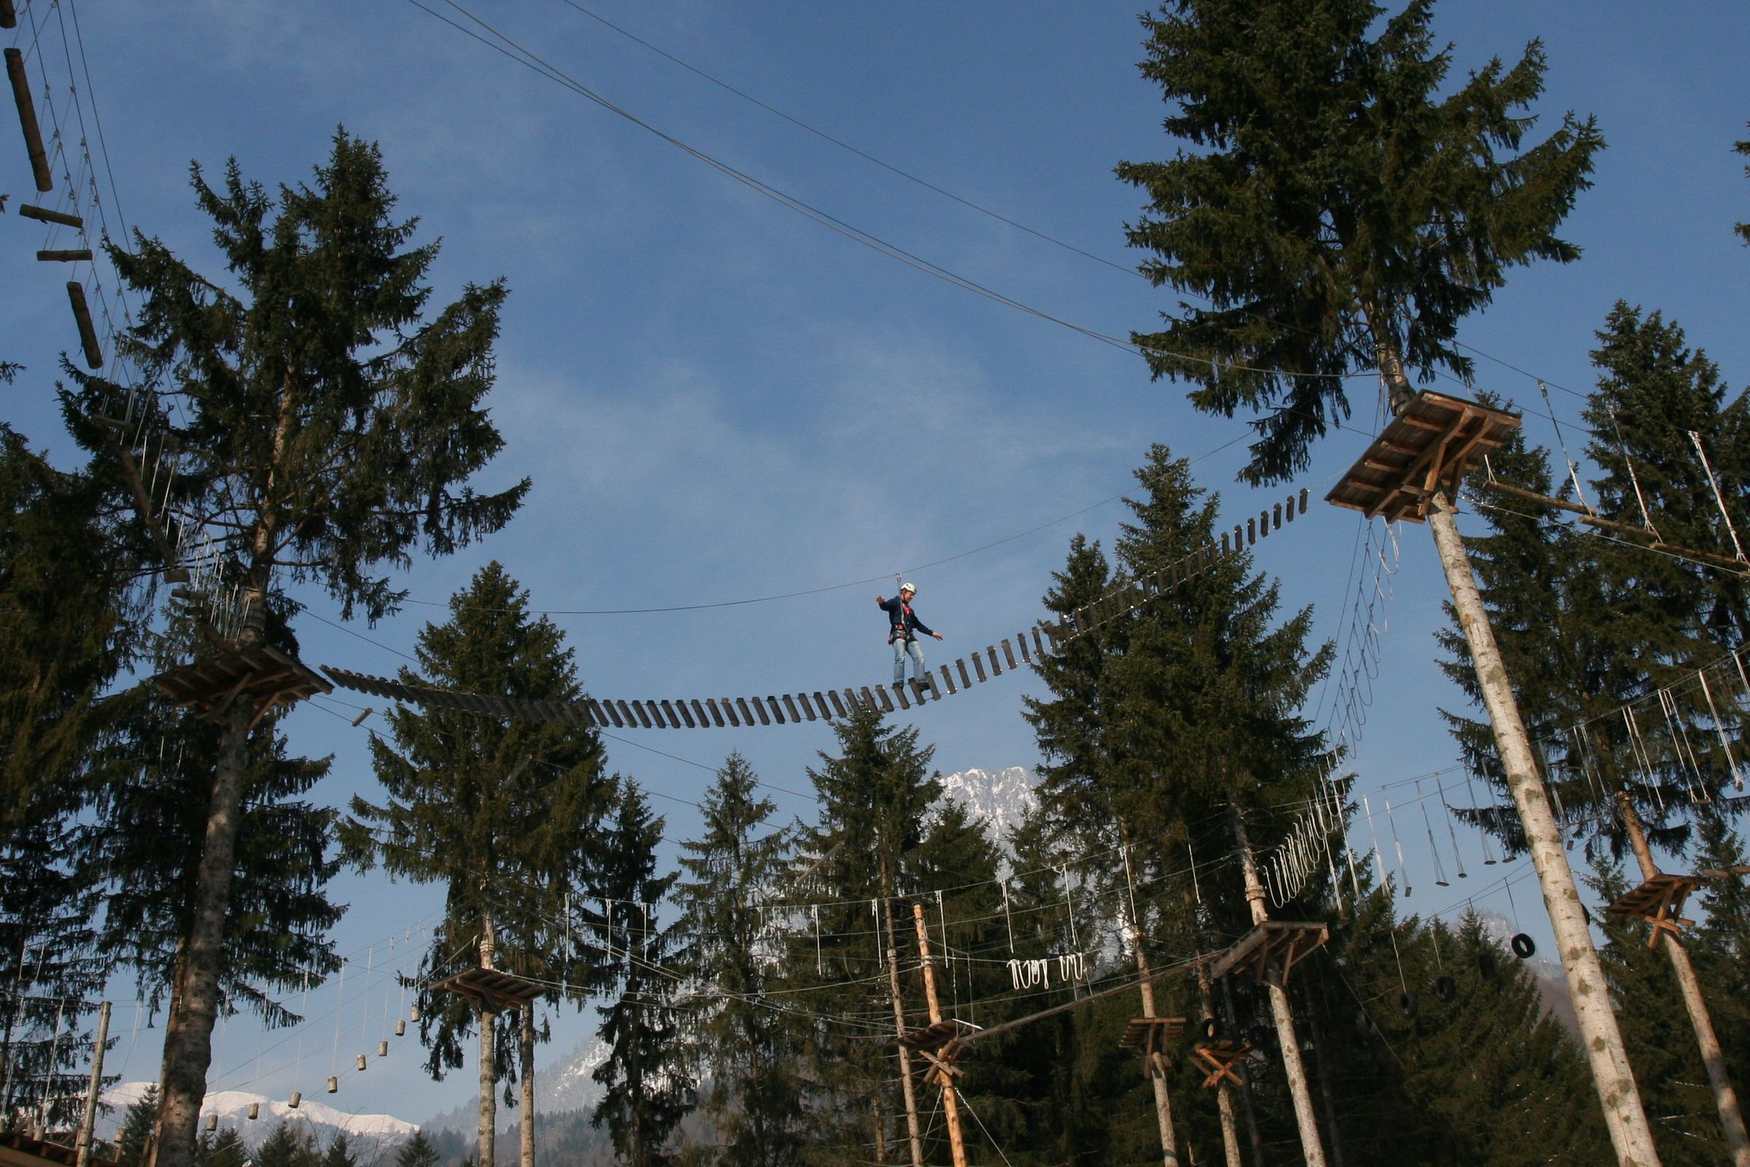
point(978, 667)
point(74, 255)
point(82, 317)
point(33, 134)
point(8, 15)
point(44, 215)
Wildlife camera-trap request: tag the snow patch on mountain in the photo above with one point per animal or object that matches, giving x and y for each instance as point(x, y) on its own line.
point(568, 1085)
point(232, 1109)
point(998, 799)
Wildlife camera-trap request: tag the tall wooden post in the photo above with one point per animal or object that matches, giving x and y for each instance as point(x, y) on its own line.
point(526, 1056)
point(907, 1090)
point(1412, 471)
point(1293, 1067)
point(1600, 1035)
point(1725, 1098)
point(1224, 1102)
point(82, 1147)
point(950, 1099)
point(1156, 1072)
point(488, 1057)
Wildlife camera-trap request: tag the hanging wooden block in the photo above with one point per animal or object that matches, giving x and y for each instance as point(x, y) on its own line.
point(1303, 500)
point(212, 1122)
point(716, 713)
point(400, 1027)
point(359, 1062)
point(1038, 644)
point(777, 710)
point(881, 699)
point(45, 215)
point(899, 694)
point(948, 679)
point(1276, 516)
point(383, 1048)
point(978, 667)
point(1021, 643)
point(807, 709)
point(674, 721)
point(597, 714)
point(996, 670)
point(82, 317)
point(644, 710)
point(413, 1013)
point(699, 714)
point(790, 707)
point(760, 711)
point(626, 712)
point(8, 15)
point(333, 1084)
point(74, 255)
point(1288, 510)
point(1009, 654)
point(254, 1111)
point(33, 134)
point(838, 707)
point(1251, 532)
point(297, 1097)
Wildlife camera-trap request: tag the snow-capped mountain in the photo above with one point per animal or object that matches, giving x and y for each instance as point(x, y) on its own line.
point(232, 1108)
point(561, 1087)
point(999, 799)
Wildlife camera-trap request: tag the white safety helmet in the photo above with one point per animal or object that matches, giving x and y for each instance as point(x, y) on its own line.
point(908, 586)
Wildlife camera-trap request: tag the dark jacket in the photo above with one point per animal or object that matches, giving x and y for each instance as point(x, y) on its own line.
point(900, 618)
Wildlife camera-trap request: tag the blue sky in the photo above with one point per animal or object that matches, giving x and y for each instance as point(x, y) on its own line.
point(717, 398)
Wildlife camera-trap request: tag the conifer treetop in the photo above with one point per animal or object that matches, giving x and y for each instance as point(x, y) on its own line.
point(1334, 194)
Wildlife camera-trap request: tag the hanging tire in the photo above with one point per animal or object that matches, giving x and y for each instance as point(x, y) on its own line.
point(1446, 989)
point(1407, 1004)
point(1523, 946)
point(1486, 963)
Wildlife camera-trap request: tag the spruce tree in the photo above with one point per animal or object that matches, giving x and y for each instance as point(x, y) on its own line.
point(136, 1129)
point(506, 814)
point(339, 1153)
point(746, 1051)
point(647, 1086)
point(283, 1147)
point(1743, 147)
point(416, 1152)
point(327, 428)
point(1333, 206)
point(875, 796)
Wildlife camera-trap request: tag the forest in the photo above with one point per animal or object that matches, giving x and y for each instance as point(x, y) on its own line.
point(1200, 942)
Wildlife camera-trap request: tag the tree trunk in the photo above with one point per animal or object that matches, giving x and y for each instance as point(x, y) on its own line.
point(1725, 1098)
point(1248, 1109)
point(1322, 1061)
point(526, 1054)
point(188, 1038)
point(488, 1133)
point(1600, 1036)
point(1224, 1102)
point(1293, 1067)
point(950, 1096)
point(905, 1083)
point(82, 1146)
point(1156, 1074)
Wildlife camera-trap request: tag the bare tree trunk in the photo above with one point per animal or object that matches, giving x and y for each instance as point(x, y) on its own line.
point(82, 1146)
point(188, 1039)
point(1725, 1098)
point(1322, 1060)
point(1156, 1073)
point(488, 1059)
point(905, 1082)
point(1230, 1134)
point(1248, 1109)
point(950, 1096)
point(1293, 1067)
point(526, 1055)
point(1600, 1035)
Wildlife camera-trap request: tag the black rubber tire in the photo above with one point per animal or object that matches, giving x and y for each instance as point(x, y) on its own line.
point(1446, 989)
point(1523, 946)
point(1407, 1004)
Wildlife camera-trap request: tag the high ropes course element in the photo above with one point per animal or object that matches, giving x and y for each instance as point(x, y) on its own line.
point(1038, 642)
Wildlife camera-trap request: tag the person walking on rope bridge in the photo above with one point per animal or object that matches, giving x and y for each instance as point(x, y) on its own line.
point(903, 626)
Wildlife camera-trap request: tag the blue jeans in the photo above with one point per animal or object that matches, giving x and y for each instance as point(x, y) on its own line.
point(900, 648)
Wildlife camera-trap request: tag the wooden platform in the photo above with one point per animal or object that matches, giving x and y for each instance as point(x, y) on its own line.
point(1151, 1033)
point(1219, 1059)
point(1659, 901)
point(494, 988)
point(930, 1037)
point(1425, 449)
point(1273, 946)
point(256, 673)
point(20, 1150)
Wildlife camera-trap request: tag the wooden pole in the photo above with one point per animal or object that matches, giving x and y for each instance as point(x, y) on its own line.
point(33, 134)
point(1725, 1098)
point(82, 1146)
point(950, 1099)
point(526, 1055)
point(488, 1132)
point(1156, 1069)
point(907, 1090)
point(1600, 1036)
point(1294, 1068)
point(1224, 1101)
